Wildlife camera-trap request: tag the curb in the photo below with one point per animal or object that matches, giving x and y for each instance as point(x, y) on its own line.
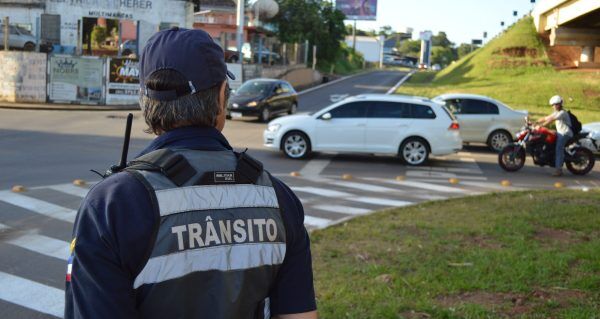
point(404, 79)
point(67, 107)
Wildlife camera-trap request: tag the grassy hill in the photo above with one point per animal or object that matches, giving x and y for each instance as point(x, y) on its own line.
point(514, 68)
point(520, 255)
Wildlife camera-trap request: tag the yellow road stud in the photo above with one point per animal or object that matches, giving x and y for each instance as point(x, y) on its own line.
point(18, 189)
point(346, 177)
point(505, 183)
point(295, 174)
point(453, 181)
point(400, 178)
point(79, 182)
point(559, 185)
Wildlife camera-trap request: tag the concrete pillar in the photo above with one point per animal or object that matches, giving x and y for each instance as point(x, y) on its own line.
point(587, 54)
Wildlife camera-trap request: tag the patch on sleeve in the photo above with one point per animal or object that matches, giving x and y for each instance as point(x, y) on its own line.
point(70, 261)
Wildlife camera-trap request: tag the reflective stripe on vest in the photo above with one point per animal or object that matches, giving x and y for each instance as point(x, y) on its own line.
point(219, 246)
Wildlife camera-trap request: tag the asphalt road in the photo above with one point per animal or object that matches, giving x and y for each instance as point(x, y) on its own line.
point(45, 150)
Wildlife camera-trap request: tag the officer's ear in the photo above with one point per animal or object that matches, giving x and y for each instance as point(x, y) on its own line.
point(223, 96)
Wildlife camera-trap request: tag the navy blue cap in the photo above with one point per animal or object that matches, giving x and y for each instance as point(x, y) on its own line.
point(193, 53)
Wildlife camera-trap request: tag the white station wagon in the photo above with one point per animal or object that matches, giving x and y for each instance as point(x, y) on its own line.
point(483, 119)
point(405, 126)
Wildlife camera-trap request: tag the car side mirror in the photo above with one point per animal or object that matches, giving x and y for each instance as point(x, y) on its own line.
point(326, 116)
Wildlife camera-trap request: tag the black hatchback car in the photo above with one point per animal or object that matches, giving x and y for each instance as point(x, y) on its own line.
point(263, 98)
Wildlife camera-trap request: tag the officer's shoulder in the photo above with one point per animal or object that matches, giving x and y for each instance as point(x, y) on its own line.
point(122, 185)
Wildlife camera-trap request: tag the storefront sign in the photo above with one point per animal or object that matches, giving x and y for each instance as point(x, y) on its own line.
point(123, 85)
point(22, 77)
point(76, 79)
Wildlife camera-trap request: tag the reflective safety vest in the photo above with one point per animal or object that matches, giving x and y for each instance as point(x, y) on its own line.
point(220, 238)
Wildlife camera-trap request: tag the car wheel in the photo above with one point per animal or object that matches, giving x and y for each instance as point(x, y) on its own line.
point(29, 46)
point(414, 151)
point(265, 114)
point(498, 140)
point(296, 145)
point(293, 109)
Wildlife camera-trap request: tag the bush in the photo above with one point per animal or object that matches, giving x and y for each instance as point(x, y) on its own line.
point(99, 35)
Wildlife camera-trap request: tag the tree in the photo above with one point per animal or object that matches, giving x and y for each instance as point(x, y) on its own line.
point(314, 20)
point(442, 56)
point(441, 40)
point(410, 48)
point(99, 35)
point(464, 49)
point(386, 30)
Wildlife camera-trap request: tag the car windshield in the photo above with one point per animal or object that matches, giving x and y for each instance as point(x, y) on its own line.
point(254, 88)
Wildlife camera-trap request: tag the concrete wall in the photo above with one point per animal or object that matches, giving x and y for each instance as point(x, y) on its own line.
point(302, 78)
point(22, 76)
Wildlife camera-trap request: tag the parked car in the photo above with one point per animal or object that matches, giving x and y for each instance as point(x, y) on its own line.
point(20, 38)
point(266, 56)
point(263, 98)
point(409, 127)
point(483, 119)
point(128, 47)
point(592, 137)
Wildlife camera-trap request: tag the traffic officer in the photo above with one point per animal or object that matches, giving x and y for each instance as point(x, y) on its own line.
point(190, 229)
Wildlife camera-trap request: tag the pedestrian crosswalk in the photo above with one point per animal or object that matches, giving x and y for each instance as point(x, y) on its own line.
point(25, 220)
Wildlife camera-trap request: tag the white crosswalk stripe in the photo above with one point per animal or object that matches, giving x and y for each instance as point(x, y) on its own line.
point(70, 189)
point(38, 206)
point(41, 244)
point(320, 191)
point(364, 187)
point(316, 221)
point(427, 186)
point(381, 201)
point(342, 209)
point(32, 295)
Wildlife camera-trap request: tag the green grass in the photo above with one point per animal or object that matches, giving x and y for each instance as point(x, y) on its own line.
point(524, 255)
point(514, 68)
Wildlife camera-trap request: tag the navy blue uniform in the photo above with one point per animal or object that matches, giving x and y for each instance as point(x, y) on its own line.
point(113, 237)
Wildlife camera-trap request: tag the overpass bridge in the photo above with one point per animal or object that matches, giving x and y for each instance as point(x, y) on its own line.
point(571, 23)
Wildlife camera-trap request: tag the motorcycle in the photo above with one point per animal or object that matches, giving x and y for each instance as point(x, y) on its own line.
point(539, 142)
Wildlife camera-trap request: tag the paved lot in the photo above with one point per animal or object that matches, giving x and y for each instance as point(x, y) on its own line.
point(46, 150)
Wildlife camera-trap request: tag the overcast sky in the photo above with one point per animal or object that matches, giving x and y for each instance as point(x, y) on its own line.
point(462, 20)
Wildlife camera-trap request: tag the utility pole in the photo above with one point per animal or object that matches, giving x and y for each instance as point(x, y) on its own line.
point(354, 36)
point(381, 46)
point(240, 29)
point(6, 32)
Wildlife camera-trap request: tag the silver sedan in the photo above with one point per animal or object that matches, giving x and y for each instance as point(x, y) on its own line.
point(483, 119)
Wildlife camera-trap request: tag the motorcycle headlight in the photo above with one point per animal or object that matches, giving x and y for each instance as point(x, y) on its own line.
point(273, 127)
point(252, 104)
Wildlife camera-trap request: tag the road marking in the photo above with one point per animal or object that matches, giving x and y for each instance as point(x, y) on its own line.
point(441, 175)
point(38, 206)
point(332, 82)
point(427, 186)
point(395, 87)
point(32, 295)
point(320, 191)
point(316, 221)
point(70, 189)
point(451, 169)
point(314, 167)
point(337, 97)
point(489, 185)
point(380, 201)
point(342, 209)
point(41, 244)
point(468, 160)
point(364, 187)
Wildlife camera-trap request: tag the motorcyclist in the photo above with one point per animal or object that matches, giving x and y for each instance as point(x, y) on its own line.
point(563, 130)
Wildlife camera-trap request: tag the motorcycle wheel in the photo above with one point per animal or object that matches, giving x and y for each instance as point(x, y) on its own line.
point(582, 161)
point(512, 158)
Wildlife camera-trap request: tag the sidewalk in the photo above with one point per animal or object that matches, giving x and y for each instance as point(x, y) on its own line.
point(67, 107)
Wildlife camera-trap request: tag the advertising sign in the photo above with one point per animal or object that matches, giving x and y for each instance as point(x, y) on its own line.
point(236, 69)
point(123, 85)
point(76, 79)
point(22, 76)
point(358, 9)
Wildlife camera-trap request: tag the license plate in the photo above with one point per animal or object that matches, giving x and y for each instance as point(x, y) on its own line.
point(236, 115)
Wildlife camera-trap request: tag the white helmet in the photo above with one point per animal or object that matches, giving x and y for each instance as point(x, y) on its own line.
point(556, 100)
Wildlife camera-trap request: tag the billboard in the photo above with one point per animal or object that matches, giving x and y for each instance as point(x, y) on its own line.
point(123, 85)
point(358, 9)
point(22, 76)
point(76, 79)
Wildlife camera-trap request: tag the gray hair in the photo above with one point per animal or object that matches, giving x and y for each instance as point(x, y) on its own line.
point(199, 109)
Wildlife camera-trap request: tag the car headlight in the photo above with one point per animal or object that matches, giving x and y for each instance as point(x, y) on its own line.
point(252, 104)
point(273, 127)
